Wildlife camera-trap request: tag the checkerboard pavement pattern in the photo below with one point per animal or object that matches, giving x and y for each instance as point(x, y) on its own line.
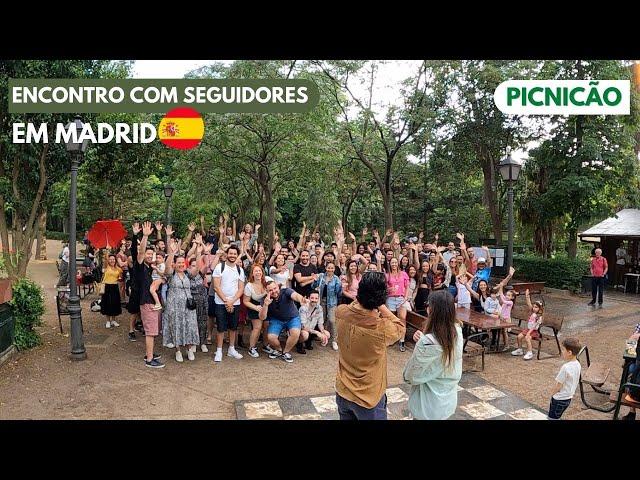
point(477, 400)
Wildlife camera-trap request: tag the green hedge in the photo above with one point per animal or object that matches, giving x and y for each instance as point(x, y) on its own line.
point(57, 235)
point(560, 272)
point(27, 308)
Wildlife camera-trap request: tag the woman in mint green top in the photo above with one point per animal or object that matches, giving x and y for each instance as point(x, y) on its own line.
point(435, 368)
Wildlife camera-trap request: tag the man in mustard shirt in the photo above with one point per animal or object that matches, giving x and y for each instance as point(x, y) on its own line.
point(365, 329)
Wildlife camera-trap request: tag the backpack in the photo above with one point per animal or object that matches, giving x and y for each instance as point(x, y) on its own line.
point(224, 264)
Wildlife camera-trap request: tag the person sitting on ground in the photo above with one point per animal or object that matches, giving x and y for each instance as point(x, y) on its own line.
point(567, 379)
point(312, 320)
point(279, 307)
point(159, 278)
point(533, 324)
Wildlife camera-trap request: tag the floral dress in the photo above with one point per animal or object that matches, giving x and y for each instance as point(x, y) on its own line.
point(179, 324)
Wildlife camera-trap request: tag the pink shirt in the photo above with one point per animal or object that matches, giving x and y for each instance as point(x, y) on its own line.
point(353, 290)
point(507, 305)
point(397, 284)
point(534, 322)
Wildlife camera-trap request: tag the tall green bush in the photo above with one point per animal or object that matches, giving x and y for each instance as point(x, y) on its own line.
point(560, 272)
point(27, 308)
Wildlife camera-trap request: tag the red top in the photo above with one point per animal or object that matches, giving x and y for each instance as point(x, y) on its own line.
point(598, 266)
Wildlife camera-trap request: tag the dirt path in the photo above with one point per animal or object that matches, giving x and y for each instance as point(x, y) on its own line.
point(113, 382)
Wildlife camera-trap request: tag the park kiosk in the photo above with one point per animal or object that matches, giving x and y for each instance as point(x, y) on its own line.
point(621, 229)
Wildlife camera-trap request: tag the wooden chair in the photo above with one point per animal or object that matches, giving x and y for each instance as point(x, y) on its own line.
point(550, 321)
point(594, 376)
point(473, 348)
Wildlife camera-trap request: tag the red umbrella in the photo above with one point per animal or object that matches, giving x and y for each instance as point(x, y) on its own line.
point(106, 232)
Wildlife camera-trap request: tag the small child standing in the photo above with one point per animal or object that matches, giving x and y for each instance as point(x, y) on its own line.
point(567, 379)
point(533, 324)
point(507, 302)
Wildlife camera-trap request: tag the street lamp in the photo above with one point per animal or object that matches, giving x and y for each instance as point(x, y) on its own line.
point(76, 152)
point(510, 171)
point(168, 192)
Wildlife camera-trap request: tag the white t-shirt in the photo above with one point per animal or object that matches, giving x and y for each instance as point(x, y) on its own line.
point(229, 281)
point(280, 278)
point(448, 255)
point(568, 376)
point(464, 297)
point(621, 253)
point(65, 254)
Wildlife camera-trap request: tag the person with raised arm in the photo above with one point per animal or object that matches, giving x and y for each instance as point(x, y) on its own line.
point(150, 316)
point(179, 319)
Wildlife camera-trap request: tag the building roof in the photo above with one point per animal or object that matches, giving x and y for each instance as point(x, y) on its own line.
point(625, 223)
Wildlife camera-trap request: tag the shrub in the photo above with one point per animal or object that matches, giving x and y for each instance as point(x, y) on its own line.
point(27, 309)
point(559, 272)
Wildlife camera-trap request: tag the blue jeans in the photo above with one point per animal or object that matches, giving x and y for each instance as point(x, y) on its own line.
point(557, 408)
point(352, 411)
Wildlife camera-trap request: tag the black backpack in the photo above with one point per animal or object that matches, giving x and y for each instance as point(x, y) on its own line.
point(224, 264)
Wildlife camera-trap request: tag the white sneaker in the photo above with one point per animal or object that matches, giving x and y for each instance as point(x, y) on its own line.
point(254, 352)
point(114, 323)
point(108, 325)
point(528, 355)
point(190, 355)
point(334, 345)
point(233, 353)
point(204, 348)
point(517, 351)
point(192, 348)
point(218, 356)
point(170, 345)
point(179, 356)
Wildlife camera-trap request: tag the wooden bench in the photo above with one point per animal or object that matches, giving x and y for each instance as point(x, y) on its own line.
point(416, 321)
point(521, 288)
point(550, 321)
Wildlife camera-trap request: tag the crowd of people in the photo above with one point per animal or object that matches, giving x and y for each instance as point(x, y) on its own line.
point(352, 296)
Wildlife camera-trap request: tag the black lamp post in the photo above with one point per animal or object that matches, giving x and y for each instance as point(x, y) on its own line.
point(76, 152)
point(510, 171)
point(168, 192)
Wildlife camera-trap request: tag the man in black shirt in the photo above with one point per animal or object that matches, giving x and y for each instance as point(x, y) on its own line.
point(304, 274)
point(142, 274)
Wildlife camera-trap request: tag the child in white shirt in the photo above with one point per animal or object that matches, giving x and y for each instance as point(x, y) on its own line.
point(567, 379)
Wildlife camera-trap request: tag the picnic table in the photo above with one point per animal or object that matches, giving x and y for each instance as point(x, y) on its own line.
point(482, 322)
point(629, 357)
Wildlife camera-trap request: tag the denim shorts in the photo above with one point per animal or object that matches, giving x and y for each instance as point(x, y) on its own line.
point(393, 303)
point(557, 408)
point(276, 326)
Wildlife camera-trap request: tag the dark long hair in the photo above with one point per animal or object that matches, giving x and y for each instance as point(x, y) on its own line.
point(442, 323)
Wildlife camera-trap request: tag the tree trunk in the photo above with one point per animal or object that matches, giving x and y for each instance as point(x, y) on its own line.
point(269, 227)
point(41, 242)
point(542, 237)
point(387, 202)
point(572, 248)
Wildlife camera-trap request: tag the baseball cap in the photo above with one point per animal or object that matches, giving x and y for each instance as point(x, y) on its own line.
point(482, 260)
